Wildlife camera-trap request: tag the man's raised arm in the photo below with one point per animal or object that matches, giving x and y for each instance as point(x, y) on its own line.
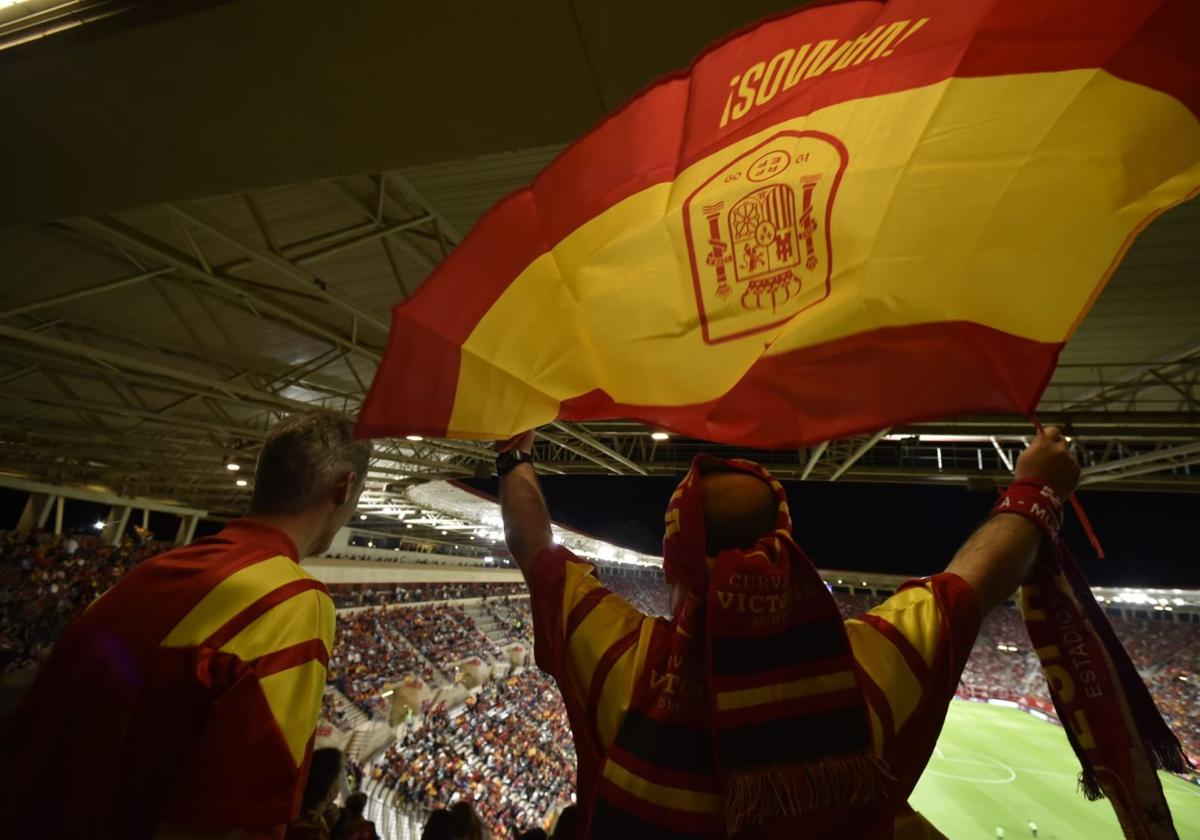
point(526, 519)
point(998, 556)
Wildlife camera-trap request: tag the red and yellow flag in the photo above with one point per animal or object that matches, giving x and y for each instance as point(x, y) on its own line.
point(839, 219)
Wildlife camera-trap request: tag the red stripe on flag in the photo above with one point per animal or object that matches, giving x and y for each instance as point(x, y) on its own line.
point(801, 398)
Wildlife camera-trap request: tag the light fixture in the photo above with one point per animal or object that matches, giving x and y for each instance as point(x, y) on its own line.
point(659, 436)
point(387, 693)
point(443, 533)
point(241, 482)
point(233, 466)
point(99, 526)
point(370, 545)
point(362, 516)
point(414, 438)
point(472, 536)
point(409, 526)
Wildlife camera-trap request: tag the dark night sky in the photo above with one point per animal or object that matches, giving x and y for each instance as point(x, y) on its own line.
point(1151, 539)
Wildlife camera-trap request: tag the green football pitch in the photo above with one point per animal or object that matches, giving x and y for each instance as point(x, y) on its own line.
point(1002, 767)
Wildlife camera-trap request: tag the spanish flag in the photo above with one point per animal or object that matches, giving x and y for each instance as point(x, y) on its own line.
point(843, 218)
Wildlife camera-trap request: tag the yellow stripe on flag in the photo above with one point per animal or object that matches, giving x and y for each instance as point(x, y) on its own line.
point(1019, 250)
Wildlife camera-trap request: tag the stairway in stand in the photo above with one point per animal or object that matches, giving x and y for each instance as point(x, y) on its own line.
point(492, 630)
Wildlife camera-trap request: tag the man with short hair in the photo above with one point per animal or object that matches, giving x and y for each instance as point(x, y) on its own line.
point(183, 702)
point(756, 711)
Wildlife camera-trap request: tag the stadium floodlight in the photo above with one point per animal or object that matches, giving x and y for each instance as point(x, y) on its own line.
point(241, 482)
point(99, 526)
point(659, 436)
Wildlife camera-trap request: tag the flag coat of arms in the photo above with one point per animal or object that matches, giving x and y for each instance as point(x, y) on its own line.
point(838, 219)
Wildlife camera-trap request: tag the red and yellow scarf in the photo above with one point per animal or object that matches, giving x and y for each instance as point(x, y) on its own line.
point(1109, 716)
point(788, 723)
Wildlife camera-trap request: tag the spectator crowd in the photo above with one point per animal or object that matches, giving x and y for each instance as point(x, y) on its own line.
point(376, 594)
point(508, 751)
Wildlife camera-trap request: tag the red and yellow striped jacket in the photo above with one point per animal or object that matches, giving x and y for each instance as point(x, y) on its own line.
point(189, 692)
point(909, 653)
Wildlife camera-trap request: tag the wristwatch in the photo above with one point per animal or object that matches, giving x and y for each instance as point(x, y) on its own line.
point(506, 462)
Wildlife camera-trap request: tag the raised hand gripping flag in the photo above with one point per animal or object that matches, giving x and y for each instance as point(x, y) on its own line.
point(839, 219)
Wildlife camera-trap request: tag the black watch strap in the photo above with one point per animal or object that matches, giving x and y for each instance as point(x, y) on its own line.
point(506, 462)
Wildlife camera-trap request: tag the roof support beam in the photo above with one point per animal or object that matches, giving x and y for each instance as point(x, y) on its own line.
point(1132, 379)
point(113, 230)
point(863, 449)
point(575, 450)
point(814, 455)
point(77, 294)
point(117, 362)
point(281, 265)
point(583, 436)
point(1187, 450)
point(414, 196)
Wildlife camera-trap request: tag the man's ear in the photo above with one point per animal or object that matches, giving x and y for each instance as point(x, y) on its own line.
point(344, 489)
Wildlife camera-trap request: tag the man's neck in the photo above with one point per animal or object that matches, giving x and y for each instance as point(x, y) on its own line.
point(299, 529)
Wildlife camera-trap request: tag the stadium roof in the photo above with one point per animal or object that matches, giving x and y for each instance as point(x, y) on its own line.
point(196, 247)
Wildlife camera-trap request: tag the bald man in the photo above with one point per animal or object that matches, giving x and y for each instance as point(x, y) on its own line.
point(755, 711)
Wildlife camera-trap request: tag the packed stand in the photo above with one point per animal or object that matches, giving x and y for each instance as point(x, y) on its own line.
point(509, 753)
point(445, 634)
point(369, 651)
point(650, 596)
point(377, 594)
point(46, 580)
point(515, 616)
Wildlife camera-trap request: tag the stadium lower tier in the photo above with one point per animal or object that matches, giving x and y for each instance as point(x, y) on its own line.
point(498, 735)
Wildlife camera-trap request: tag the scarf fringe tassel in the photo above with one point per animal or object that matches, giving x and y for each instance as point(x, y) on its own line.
point(791, 791)
point(1164, 756)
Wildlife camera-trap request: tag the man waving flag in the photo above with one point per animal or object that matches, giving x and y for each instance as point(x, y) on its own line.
point(832, 222)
